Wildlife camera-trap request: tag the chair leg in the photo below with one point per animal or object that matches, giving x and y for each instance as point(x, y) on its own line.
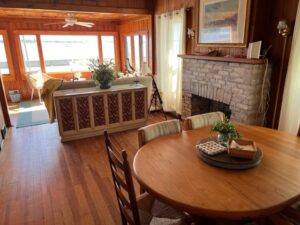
point(32, 91)
point(39, 92)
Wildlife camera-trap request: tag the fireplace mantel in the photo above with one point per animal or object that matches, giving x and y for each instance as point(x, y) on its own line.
point(224, 59)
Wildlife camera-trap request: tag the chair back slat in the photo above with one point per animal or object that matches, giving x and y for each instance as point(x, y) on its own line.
point(115, 160)
point(120, 181)
point(123, 199)
point(128, 205)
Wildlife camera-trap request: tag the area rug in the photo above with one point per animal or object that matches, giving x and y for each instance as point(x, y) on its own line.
point(32, 113)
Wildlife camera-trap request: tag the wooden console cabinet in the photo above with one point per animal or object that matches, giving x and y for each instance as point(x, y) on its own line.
point(87, 112)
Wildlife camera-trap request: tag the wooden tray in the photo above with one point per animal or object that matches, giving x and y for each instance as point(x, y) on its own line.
point(223, 160)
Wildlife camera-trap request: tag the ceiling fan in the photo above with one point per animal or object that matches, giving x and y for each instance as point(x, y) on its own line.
point(71, 21)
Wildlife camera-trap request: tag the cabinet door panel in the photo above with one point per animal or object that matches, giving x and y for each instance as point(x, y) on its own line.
point(83, 112)
point(113, 108)
point(67, 114)
point(99, 110)
point(139, 97)
point(127, 113)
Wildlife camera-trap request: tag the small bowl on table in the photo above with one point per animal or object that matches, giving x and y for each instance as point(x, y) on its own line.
point(241, 148)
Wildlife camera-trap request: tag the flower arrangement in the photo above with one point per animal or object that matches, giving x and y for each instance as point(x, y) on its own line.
point(103, 73)
point(226, 130)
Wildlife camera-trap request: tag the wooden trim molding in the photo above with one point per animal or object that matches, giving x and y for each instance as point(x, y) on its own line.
point(75, 7)
point(3, 102)
point(224, 59)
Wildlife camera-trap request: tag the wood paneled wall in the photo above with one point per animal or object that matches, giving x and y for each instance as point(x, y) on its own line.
point(263, 26)
point(163, 6)
point(143, 25)
point(128, 6)
point(14, 25)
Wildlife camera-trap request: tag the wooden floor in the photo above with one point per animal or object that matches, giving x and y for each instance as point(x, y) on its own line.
point(45, 182)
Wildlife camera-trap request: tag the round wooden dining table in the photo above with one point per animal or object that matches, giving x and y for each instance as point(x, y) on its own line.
point(169, 169)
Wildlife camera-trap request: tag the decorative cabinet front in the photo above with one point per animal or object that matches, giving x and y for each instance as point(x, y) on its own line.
point(81, 115)
point(99, 110)
point(83, 112)
point(66, 115)
point(113, 108)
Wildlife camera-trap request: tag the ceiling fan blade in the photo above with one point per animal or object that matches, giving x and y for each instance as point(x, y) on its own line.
point(85, 24)
point(66, 25)
point(48, 24)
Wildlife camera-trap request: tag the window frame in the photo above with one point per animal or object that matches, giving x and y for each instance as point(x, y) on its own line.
point(11, 76)
point(75, 33)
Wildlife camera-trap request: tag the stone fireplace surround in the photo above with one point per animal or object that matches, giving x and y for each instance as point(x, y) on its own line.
point(236, 83)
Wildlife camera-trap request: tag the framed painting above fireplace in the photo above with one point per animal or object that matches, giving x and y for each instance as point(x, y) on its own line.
point(222, 23)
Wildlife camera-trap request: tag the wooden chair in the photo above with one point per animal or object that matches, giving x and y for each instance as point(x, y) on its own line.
point(150, 132)
point(202, 120)
point(141, 210)
point(298, 132)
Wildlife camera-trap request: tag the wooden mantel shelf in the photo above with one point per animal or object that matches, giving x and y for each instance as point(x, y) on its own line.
point(224, 59)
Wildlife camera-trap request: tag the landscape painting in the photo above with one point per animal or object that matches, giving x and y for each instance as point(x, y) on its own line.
point(222, 21)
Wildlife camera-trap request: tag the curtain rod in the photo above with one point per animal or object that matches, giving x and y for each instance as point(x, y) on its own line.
point(169, 12)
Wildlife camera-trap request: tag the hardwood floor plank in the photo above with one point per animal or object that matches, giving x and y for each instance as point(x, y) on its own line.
point(46, 182)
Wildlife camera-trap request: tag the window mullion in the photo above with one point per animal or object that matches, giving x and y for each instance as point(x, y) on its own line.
point(40, 51)
point(100, 49)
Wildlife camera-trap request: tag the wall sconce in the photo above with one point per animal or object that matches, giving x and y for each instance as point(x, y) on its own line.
point(284, 28)
point(190, 33)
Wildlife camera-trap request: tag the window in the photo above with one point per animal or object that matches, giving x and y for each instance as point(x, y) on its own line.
point(137, 63)
point(65, 53)
point(140, 50)
point(108, 48)
point(144, 48)
point(30, 53)
point(128, 48)
point(4, 69)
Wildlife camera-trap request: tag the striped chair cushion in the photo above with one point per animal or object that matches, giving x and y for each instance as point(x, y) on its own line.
point(204, 120)
point(161, 129)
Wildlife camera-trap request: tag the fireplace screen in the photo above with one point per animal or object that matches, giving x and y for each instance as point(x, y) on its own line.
point(202, 105)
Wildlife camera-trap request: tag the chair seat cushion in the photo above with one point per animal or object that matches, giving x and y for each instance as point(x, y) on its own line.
point(154, 212)
point(162, 210)
point(166, 221)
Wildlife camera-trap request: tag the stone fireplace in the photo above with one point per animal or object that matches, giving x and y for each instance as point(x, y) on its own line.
point(238, 88)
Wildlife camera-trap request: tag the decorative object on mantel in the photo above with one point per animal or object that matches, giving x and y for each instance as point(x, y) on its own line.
point(226, 131)
point(254, 50)
point(222, 23)
point(102, 73)
point(224, 160)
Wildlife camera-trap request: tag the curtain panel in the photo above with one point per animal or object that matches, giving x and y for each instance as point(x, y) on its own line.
point(170, 41)
point(290, 110)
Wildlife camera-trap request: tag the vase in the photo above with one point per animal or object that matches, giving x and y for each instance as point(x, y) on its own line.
point(223, 138)
point(105, 85)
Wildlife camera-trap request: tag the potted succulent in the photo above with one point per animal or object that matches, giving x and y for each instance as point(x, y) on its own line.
point(102, 73)
point(226, 131)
